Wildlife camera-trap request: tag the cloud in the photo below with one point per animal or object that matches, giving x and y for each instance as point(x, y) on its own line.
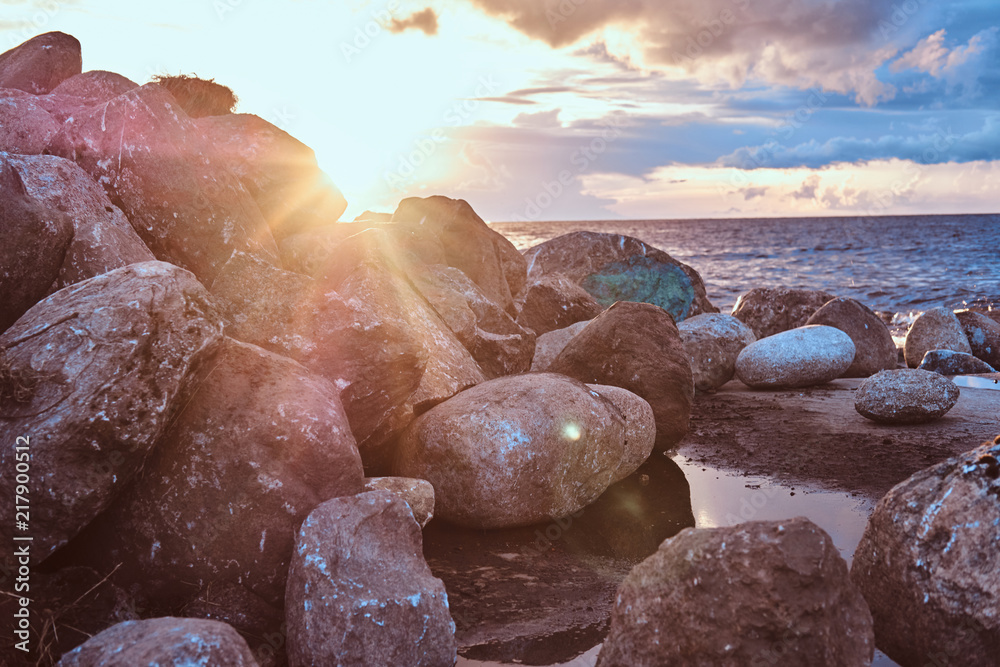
point(541, 120)
point(931, 56)
point(808, 189)
point(753, 193)
point(425, 20)
point(800, 44)
point(928, 147)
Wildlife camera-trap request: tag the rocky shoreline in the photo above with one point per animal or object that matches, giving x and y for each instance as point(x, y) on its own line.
point(252, 434)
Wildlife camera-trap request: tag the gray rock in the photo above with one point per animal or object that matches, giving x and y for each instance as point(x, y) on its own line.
point(946, 362)
point(928, 560)
point(770, 311)
point(549, 345)
point(905, 396)
point(103, 239)
point(110, 360)
point(489, 259)
point(95, 87)
point(613, 267)
point(418, 494)
point(935, 329)
point(640, 426)
point(41, 63)
point(713, 342)
point(163, 641)
point(801, 357)
point(188, 208)
point(874, 348)
point(35, 240)
point(636, 346)
point(554, 302)
point(516, 451)
point(498, 344)
point(360, 592)
point(279, 171)
point(25, 127)
point(254, 450)
point(759, 593)
point(983, 334)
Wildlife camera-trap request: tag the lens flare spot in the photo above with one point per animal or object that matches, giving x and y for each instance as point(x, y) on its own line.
point(572, 431)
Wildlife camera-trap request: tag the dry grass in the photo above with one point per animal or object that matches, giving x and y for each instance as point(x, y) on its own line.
point(199, 97)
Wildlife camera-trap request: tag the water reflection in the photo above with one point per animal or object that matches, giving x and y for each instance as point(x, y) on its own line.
point(541, 595)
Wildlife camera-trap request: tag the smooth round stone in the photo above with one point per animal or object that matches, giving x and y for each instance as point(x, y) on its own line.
point(936, 329)
point(905, 396)
point(713, 342)
point(800, 357)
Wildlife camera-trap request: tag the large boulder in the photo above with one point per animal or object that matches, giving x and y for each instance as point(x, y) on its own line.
point(928, 560)
point(640, 426)
point(498, 344)
point(770, 311)
point(489, 259)
point(280, 172)
point(188, 208)
point(946, 362)
point(163, 641)
point(35, 240)
point(105, 365)
point(613, 267)
point(372, 334)
point(759, 593)
point(905, 396)
point(636, 346)
point(253, 451)
point(801, 357)
point(935, 329)
point(95, 87)
point(983, 334)
point(360, 592)
point(103, 239)
point(713, 342)
point(554, 302)
point(518, 450)
point(41, 63)
point(873, 345)
point(26, 128)
point(549, 345)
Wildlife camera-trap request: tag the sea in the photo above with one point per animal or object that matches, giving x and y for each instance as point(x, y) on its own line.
point(898, 266)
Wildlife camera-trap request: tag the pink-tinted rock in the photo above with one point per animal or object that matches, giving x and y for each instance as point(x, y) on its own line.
point(41, 63)
point(489, 259)
point(25, 127)
point(95, 87)
point(801, 357)
point(636, 346)
point(613, 267)
point(770, 311)
point(983, 334)
point(927, 564)
point(873, 345)
point(189, 209)
point(280, 172)
point(35, 240)
point(759, 593)
point(935, 329)
point(360, 592)
point(554, 302)
point(253, 451)
point(103, 239)
point(905, 396)
point(518, 450)
point(111, 361)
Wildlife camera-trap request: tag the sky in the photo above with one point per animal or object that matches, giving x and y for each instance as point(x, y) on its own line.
point(594, 109)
